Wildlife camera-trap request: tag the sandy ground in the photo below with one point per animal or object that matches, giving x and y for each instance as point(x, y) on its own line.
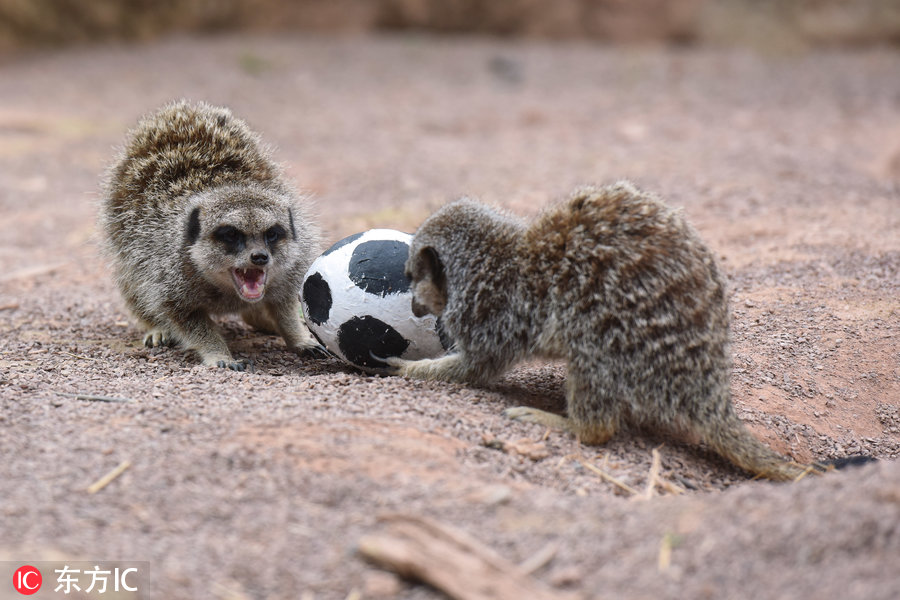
point(260, 485)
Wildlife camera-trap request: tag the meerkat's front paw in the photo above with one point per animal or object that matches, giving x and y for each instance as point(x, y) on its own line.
point(236, 365)
point(402, 366)
point(445, 368)
point(527, 414)
point(159, 337)
point(225, 361)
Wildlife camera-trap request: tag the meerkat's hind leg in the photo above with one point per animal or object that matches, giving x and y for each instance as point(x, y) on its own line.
point(591, 429)
point(592, 434)
point(595, 433)
point(594, 415)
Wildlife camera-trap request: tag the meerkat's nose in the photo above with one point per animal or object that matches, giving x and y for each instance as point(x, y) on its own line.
point(259, 258)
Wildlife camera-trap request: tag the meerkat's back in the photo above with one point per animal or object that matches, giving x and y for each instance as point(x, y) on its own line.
point(613, 281)
point(643, 301)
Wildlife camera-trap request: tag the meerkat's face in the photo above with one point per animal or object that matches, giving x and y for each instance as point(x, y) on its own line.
point(244, 248)
point(429, 283)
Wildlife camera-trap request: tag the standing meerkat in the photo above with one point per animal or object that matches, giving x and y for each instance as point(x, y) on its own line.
point(198, 221)
point(616, 283)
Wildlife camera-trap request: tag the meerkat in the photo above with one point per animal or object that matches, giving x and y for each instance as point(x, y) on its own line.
point(198, 221)
point(614, 282)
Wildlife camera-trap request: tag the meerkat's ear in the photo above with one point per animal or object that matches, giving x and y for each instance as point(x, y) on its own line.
point(192, 231)
point(434, 270)
point(430, 281)
point(432, 267)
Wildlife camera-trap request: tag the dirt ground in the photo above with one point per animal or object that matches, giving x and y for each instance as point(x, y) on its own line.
point(260, 485)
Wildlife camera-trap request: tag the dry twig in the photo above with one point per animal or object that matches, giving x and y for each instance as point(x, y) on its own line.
point(451, 561)
point(604, 475)
point(653, 477)
point(108, 478)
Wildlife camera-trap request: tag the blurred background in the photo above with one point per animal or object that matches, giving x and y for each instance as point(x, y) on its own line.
point(763, 23)
point(775, 124)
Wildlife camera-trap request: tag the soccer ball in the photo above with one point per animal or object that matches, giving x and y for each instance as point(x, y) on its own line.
point(357, 302)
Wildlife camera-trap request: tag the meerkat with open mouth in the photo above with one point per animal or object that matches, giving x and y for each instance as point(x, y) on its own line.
point(198, 221)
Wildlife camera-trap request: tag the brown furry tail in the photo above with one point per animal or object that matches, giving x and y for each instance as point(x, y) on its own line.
point(732, 440)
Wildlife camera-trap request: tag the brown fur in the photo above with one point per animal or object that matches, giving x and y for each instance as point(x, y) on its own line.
point(614, 282)
point(190, 176)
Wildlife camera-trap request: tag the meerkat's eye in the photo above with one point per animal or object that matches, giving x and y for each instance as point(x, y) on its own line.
point(232, 237)
point(274, 233)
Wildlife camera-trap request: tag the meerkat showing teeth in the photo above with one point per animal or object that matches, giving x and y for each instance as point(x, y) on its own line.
point(251, 283)
point(614, 282)
point(198, 221)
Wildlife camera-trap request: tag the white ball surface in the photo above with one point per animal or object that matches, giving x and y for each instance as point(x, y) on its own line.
point(357, 302)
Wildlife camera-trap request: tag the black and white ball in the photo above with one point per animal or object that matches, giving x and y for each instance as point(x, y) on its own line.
point(358, 303)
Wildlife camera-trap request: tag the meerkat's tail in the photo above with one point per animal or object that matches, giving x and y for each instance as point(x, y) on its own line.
point(732, 440)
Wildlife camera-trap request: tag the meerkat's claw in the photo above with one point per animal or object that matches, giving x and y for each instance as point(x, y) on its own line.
point(317, 352)
point(158, 337)
point(236, 365)
point(527, 414)
point(394, 363)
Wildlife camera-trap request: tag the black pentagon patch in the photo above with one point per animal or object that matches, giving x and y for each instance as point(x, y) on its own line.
point(361, 337)
point(377, 267)
point(317, 296)
point(446, 341)
point(347, 240)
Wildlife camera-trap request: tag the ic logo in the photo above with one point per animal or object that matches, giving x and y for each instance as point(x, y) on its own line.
point(27, 580)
